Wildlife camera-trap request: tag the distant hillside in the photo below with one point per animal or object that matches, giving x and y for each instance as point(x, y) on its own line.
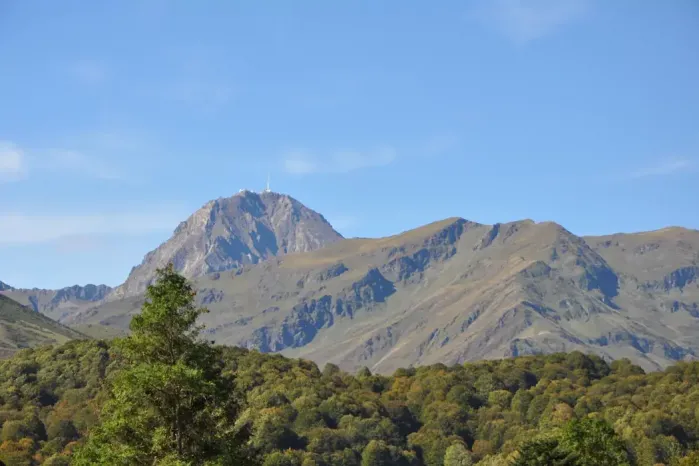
point(4, 286)
point(21, 327)
point(57, 304)
point(456, 291)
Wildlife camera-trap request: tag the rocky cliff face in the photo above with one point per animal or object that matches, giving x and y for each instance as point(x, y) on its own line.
point(81, 293)
point(229, 233)
point(58, 304)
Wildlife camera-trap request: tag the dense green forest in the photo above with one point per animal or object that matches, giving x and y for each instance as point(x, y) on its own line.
point(300, 414)
point(552, 409)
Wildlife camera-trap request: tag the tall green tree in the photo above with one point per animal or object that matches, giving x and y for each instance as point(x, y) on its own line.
point(171, 404)
point(457, 455)
point(595, 443)
point(379, 453)
point(544, 452)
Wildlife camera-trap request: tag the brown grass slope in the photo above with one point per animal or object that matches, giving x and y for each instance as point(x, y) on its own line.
point(21, 327)
point(456, 290)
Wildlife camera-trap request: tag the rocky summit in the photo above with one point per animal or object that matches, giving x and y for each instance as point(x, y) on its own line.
point(228, 233)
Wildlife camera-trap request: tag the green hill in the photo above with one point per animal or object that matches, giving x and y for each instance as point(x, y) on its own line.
point(21, 327)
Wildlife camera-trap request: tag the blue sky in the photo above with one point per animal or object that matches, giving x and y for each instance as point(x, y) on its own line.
point(119, 119)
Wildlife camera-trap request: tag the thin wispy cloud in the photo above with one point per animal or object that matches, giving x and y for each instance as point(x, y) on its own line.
point(111, 141)
point(200, 93)
point(300, 163)
point(304, 162)
point(76, 244)
point(88, 71)
point(13, 165)
point(343, 222)
point(523, 21)
point(667, 167)
point(154, 9)
point(79, 163)
point(18, 164)
point(440, 144)
point(99, 154)
point(21, 228)
point(197, 81)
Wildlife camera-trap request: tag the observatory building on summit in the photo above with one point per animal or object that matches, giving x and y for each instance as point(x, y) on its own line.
point(266, 190)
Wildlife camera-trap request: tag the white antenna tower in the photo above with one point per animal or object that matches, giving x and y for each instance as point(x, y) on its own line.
point(268, 190)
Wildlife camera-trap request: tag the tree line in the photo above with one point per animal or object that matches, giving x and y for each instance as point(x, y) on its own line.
point(165, 396)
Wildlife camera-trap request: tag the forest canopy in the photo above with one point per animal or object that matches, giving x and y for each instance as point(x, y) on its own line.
point(164, 396)
point(300, 414)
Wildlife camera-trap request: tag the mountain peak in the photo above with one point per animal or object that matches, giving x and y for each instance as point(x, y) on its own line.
point(229, 232)
point(266, 192)
point(5, 287)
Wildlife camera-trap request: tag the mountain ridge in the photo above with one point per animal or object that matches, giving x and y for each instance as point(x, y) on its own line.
point(452, 291)
point(278, 278)
point(57, 304)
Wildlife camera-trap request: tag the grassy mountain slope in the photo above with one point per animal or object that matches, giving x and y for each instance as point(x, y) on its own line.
point(455, 291)
point(21, 327)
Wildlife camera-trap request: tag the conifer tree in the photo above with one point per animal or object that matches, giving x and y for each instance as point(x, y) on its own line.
point(172, 404)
